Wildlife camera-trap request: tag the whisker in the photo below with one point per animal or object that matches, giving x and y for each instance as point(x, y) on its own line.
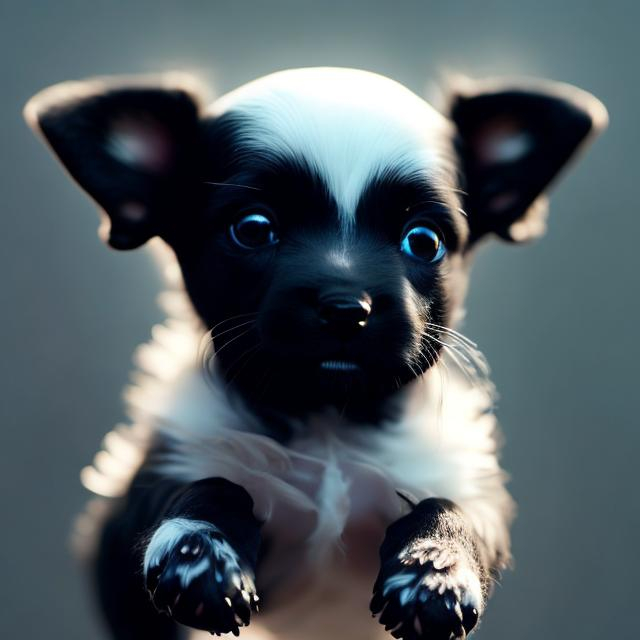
point(466, 348)
point(439, 203)
point(473, 357)
point(240, 315)
point(237, 326)
point(453, 332)
point(443, 366)
point(476, 357)
point(415, 373)
point(215, 353)
point(207, 347)
point(439, 364)
point(231, 184)
point(419, 365)
point(463, 353)
point(451, 346)
point(463, 369)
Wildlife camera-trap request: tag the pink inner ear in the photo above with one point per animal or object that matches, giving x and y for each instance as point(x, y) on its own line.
point(501, 140)
point(141, 143)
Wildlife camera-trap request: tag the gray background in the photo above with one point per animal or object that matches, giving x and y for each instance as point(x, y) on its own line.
point(556, 319)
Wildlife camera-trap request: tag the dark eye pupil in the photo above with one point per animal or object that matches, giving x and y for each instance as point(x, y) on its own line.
point(423, 244)
point(254, 230)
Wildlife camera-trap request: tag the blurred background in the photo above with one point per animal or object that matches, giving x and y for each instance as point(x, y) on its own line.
point(556, 319)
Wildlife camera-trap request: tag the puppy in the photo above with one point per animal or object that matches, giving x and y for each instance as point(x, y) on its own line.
point(340, 452)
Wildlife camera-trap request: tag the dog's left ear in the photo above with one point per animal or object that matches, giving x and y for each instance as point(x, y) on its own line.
point(513, 141)
point(129, 143)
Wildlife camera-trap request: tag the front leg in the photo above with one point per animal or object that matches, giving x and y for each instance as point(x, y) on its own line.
point(200, 563)
point(432, 581)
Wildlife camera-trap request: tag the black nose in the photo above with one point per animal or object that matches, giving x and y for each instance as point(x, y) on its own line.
point(345, 315)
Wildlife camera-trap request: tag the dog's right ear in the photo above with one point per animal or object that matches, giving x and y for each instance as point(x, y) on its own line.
point(130, 145)
point(514, 139)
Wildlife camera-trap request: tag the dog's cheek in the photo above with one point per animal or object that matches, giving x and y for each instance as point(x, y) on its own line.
point(222, 285)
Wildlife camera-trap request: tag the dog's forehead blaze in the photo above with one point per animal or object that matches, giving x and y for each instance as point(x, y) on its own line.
point(346, 125)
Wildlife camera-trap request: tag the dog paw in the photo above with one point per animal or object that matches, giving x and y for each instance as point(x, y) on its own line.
point(195, 576)
point(430, 591)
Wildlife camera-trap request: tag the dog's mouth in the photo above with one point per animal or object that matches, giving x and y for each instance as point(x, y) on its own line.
point(298, 379)
point(355, 384)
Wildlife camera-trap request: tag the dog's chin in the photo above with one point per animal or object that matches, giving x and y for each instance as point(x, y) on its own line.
point(297, 388)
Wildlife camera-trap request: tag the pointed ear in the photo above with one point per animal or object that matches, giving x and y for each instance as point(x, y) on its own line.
point(513, 141)
point(129, 144)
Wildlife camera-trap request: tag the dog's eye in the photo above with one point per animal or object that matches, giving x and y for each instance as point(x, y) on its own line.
point(253, 231)
point(423, 243)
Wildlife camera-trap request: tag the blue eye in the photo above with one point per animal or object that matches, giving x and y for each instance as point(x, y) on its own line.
point(423, 243)
point(253, 231)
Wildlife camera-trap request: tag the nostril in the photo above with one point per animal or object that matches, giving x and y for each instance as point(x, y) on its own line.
point(345, 314)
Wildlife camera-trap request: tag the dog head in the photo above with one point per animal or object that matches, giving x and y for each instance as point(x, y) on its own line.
point(323, 219)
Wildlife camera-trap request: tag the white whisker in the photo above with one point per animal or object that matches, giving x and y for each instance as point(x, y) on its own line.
point(238, 326)
point(450, 331)
point(240, 315)
point(210, 357)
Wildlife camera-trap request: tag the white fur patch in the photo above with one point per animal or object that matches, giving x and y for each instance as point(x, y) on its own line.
point(167, 536)
point(340, 258)
point(349, 126)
